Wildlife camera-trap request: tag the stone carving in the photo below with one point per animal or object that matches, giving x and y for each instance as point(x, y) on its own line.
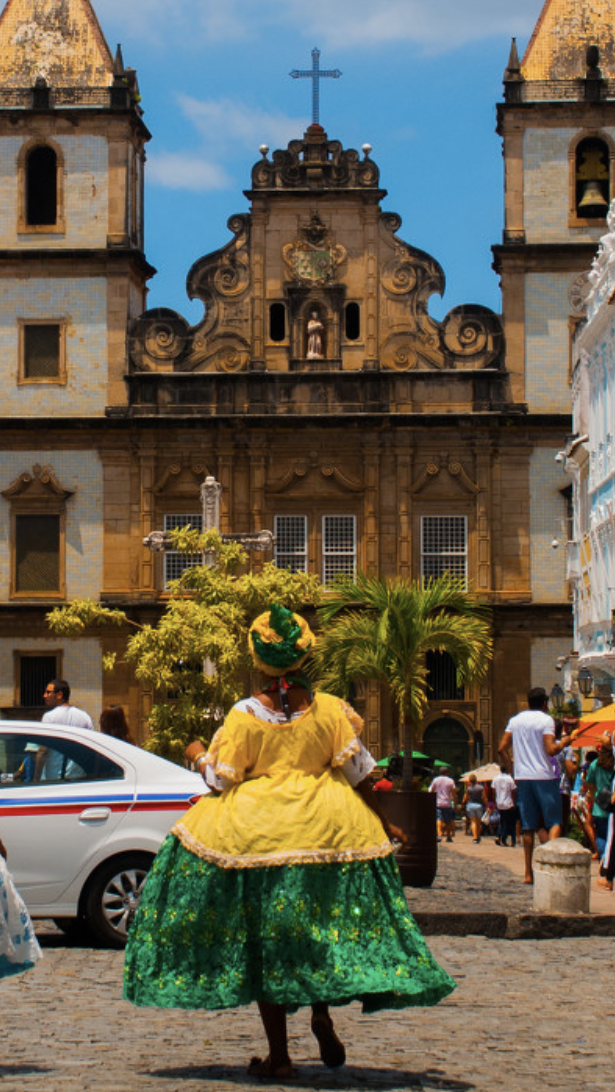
point(452, 467)
point(315, 331)
point(473, 337)
point(161, 340)
point(42, 482)
point(315, 162)
point(313, 258)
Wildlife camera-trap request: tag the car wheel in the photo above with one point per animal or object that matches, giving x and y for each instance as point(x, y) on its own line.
point(113, 895)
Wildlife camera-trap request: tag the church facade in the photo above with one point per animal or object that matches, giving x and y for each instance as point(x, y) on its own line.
point(317, 390)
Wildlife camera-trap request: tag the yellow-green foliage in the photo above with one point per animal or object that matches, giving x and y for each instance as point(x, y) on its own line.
point(195, 658)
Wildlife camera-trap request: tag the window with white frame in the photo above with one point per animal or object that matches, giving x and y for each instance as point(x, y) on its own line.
point(339, 547)
point(174, 562)
point(444, 546)
point(291, 543)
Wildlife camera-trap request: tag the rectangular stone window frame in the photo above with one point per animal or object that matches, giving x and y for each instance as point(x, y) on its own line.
point(43, 507)
point(339, 546)
point(21, 659)
point(322, 542)
point(444, 544)
point(172, 562)
point(58, 380)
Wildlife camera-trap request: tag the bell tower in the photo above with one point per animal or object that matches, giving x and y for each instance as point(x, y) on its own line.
point(557, 123)
point(73, 272)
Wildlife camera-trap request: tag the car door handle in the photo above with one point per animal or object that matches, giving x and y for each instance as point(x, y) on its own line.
point(94, 815)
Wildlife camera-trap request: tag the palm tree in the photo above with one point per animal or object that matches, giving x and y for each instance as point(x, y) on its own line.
point(383, 629)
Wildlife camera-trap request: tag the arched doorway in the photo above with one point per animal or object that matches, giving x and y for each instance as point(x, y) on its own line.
point(447, 740)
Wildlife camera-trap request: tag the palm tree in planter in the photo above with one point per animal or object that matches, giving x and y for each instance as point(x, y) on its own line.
point(383, 629)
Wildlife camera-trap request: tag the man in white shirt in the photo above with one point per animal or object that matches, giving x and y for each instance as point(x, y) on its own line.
point(59, 711)
point(505, 797)
point(531, 736)
point(446, 798)
point(49, 762)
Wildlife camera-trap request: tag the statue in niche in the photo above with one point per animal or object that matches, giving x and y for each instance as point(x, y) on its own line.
point(315, 331)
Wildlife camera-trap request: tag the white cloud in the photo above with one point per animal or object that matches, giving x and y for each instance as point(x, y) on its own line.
point(227, 122)
point(186, 171)
point(222, 125)
point(435, 25)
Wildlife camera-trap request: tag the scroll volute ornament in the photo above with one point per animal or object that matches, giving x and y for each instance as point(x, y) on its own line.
point(473, 337)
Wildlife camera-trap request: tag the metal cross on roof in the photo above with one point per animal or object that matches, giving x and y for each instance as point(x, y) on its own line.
point(315, 75)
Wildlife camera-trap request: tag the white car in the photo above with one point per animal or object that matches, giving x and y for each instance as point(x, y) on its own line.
point(82, 816)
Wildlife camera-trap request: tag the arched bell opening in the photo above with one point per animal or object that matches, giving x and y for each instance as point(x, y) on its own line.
point(592, 179)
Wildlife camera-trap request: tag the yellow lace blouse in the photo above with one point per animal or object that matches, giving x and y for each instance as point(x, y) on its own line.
point(288, 800)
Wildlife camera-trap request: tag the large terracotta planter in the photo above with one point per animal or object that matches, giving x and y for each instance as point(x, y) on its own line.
point(415, 813)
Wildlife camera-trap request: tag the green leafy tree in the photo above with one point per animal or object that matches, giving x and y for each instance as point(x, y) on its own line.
point(196, 657)
point(383, 630)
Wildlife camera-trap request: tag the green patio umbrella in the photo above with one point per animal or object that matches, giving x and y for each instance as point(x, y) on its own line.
point(415, 754)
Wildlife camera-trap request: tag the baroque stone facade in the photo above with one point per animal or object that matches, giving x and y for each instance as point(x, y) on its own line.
point(316, 389)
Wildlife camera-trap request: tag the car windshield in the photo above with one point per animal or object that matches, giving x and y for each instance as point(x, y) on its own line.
point(28, 759)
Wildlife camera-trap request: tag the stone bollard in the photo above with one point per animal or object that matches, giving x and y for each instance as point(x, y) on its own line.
point(562, 877)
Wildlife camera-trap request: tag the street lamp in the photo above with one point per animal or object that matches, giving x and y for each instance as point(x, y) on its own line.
point(585, 680)
point(556, 697)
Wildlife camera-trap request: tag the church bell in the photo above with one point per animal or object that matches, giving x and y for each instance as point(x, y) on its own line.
point(593, 201)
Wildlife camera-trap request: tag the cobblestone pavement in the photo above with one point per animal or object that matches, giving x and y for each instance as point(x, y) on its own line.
point(527, 1015)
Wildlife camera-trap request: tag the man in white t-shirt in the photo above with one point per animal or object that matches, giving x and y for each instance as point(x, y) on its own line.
point(505, 801)
point(446, 798)
point(531, 736)
point(59, 711)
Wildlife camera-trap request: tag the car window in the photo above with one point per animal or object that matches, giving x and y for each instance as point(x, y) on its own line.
point(30, 759)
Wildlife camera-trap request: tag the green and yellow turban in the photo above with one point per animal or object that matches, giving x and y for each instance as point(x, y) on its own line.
point(280, 640)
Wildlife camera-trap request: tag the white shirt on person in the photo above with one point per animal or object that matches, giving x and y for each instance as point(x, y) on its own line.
point(530, 759)
point(503, 787)
point(444, 787)
point(68, 714)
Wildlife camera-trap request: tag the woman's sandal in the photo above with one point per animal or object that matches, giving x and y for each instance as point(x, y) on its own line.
point(603, 882)
point(262, 1067)
point(332, 1049)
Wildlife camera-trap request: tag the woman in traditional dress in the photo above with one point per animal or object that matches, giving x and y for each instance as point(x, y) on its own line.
point(19, 948)
point(280, 886)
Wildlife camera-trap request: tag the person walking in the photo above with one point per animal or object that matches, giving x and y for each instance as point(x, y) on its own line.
point(446, 801)
point(599, 784)
point(531, 737)
point(475, 802)
point(280, 885)
point(505, 792)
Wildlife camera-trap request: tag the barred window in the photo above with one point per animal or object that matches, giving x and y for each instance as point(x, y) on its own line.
point(41, 350)
point(34, 672)
point(174, 562)
point(37, 554)
point(444, 546)
point(291, 543)
point(442, 678)
point(339, 546)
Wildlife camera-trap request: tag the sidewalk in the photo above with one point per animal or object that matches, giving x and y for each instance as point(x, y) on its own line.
point(479, 890)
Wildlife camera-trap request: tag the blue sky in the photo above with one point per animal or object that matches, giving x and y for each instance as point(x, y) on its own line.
point(420, 82)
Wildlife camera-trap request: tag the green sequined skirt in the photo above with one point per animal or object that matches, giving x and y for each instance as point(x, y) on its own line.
point(213, 938)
